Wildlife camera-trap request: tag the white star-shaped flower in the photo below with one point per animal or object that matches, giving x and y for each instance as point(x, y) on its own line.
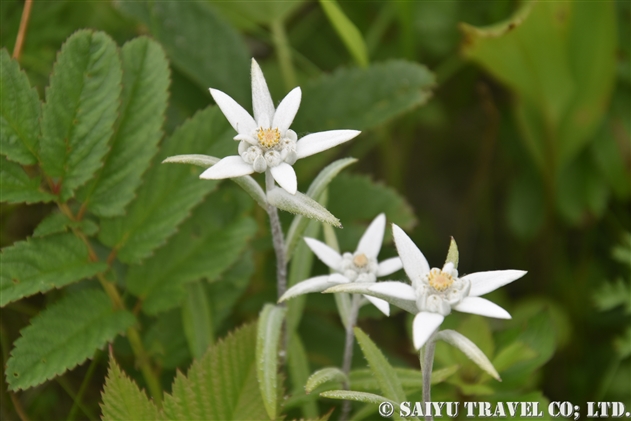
point(435, 292)
point(358, 267)
point(266, 141)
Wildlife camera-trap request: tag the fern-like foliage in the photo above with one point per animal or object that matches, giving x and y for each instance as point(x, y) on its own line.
point(123, 400)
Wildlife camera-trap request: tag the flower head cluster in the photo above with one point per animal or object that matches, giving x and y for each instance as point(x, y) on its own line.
point(358, 267)
point(266, 141)
point(433, 293)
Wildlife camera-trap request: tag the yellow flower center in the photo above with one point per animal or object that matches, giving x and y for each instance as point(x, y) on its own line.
point(439, 280)
point(268, 137)
point(360, 260)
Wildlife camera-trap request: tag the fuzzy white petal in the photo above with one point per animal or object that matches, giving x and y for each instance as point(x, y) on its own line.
point(424, 325)
point(318, 142)
point(470, 349)
point(481, 306)
point(316, 284)
point(370, 243)
point(396, 293)
point(228, 167)
point(238, 117)
point(389, 266)
point(287, 110)
point(382, 305)
point(326, 254)
point(414, 263)
point(285, 176)
point(485, 282)
point(262, 103)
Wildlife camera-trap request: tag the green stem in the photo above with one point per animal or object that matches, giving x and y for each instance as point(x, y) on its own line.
point(283, 52)
point(66, 387)
point(143, 361)
point(84, 385)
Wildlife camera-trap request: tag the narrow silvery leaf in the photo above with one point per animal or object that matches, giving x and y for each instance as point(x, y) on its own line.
point(301, 204)
point(396, 293)
point(325, 375)
point(470, 349)
point(452, 254)
point(357, 396)
point(246, 182)
point(316, 189)
point(269, 326)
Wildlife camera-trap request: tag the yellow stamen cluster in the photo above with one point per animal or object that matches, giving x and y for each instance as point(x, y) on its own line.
point(360, 260)
point(268, 137)
point(439, 280)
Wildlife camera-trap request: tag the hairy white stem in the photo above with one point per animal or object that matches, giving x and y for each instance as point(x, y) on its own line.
point(426, 357)
point(348, 350)
point(277, 239)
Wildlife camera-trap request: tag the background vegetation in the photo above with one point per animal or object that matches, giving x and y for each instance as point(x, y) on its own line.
point(518, 145)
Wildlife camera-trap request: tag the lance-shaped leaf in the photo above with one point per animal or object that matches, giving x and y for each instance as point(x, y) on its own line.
point(123, 400)
point(20, 110)
point(80, 110)
point(358, 396)
point(452, 253)
point(317, 187)
point(18, 187)
point(64, 335)
point(40, 264)
point(347, 31)
point(220, 61)
point(301, 204)
point(325, 375)
point(267, 341)
point(168, 193)
point(206, 245)
point(469, 349)
point(57, 222)
point(396, 293)
point(138, 129)
point(341, 100)
point(221, 385)
point(389, 383)
point(246, 182)
point(411, 380)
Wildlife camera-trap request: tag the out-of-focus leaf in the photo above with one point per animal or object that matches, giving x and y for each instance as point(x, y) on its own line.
point(57, 222)
point(512, 354)
point(609, 156)
point(197, 319)
point(343, 101)
point(80, 110)
point(165, 341)
point(613, 294)
point(256, 12)
point(298, 365)
point(20, 111)
point(168, 193)
point(201, 44)
point(525, 209)
point(138, 129)
point(123, 400)
point(18, 187)
point(267, 341)
point(317, 187)
point(40, 264)
point(221, 385)
point(382, 370)
point(64, 335)
point(207, 244)
point(347, 31)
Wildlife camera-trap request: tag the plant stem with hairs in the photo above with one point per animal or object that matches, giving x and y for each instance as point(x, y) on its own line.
point(426, 357)
point(348, 350)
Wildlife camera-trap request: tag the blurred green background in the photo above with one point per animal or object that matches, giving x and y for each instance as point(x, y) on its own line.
point(521, 152)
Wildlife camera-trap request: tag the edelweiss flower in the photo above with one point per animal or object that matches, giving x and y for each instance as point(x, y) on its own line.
point(435, 292)
point(358, 267)
point(266, 141)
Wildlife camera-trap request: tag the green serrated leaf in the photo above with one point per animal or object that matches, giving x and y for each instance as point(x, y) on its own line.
point(219, 61)
point(80, 110)
point(325, 375)
point(221, 385)
point(123, 400)
point(40, 264)
point(317, 187)
point(64, 335)
point(17, 187)
point(347, 31)
point(341, 100)
point(206, 245)
point(138, 129)
point(168, 193)
point(267, 341)
point(20, 111)
point(57, 222)
point(382, 370)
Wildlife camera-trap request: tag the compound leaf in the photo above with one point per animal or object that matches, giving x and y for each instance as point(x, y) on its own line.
point(18, 187)
point(80, 110)
point(64, 335)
